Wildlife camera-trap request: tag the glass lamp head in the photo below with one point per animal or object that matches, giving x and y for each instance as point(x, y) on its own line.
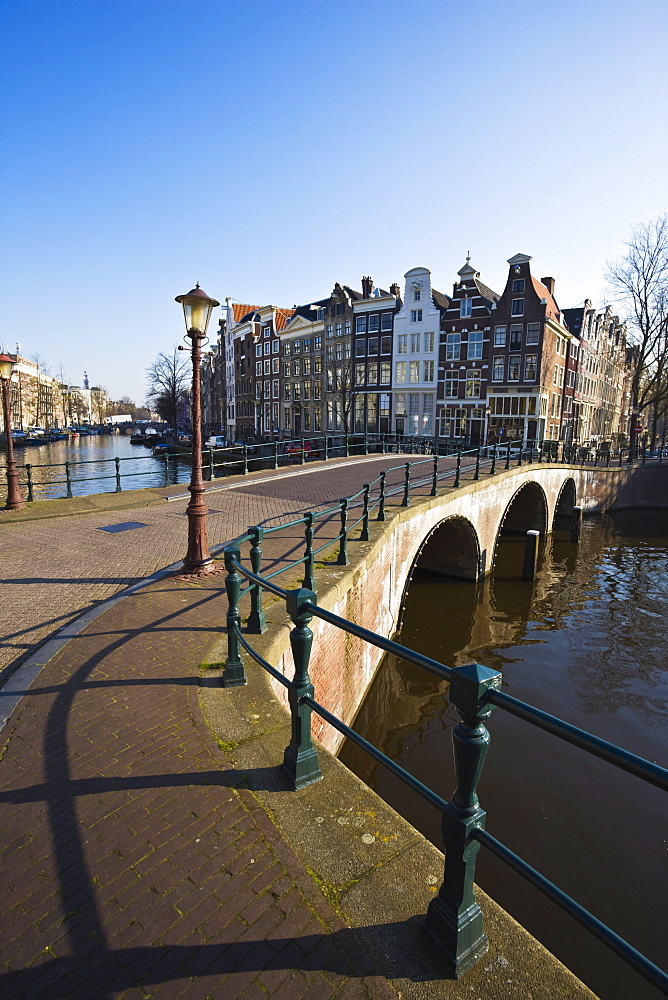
point(6, 366)
point(197, 308)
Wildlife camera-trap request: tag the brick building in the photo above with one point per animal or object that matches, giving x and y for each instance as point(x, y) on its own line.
point(372, 357)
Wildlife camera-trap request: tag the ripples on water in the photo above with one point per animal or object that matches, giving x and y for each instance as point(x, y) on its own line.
point(587, 642)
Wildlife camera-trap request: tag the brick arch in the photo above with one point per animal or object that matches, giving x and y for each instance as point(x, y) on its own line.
point(450, 549)
point(563, 508)
point(527, 510)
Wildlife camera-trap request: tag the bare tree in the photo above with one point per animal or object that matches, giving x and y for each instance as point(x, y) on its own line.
point(168, 382)
point(341, 389)
point(639, 280)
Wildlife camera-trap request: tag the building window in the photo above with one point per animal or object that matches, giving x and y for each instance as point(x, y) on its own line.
point(372, 375)
point(338, 351)
point(530, 367)
point(465, 308)
point(320, 314)
point(518, 286)
point(360, 347)
point(452, 346)
point(385, 345)
point(275, 366)
point(427, 371)
point(258, 350)
point(514, 368)
point(517, 308)
point(307, 343)
point(516, 337)
point(417, 294)
point(317, 364)
point(400, 371)
point(267, 390)
point(297, 390)
point(473, 384)
point(359, 374)
point(274, 388)
point(297, 366)
point(267, 366)
point(400, 404)
point(402, 343)
point(500, 336)
point(267, 348)
point(317, 389)
point(428, 343)
point(266, 331)
point(374, 323)
point(373, 345)
point(386, 322)
point(346, 349)
point(307, 390)
point(286, 347)
point(451, 385)
point(498, 370)
point(416, 315)
point(329, 353)
point(385, 373)
point(346, 328)
point(258, 367)
point(414, 371)
point(339, 329)
point(329, 331)
point(339, 308)
point(360, 324)
point(533, 333)
point(306, 362)
point(474, 352)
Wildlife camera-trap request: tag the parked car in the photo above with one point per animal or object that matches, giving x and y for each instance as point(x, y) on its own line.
point(216, 441)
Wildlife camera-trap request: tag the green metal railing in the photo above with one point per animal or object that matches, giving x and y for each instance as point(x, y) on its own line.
point(453, 924)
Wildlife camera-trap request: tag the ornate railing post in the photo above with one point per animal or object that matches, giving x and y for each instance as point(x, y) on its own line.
point(303, 458)
point(257, 623)
point(234, 675)
point(364, 534)
point(458, 472)
point(454, 919)
point(308, 583)
point(275, 454)
point(434, 477)
point(210, 452)
point(407, 486)
point(166, 468)
point(30, 489)
point(117, 463)
point(342, 559)
point(68, 480)
point(381, 498)
point(476, 474)
point(300, 761)
point(492, 471)
point(326, 451)
point(347, 447)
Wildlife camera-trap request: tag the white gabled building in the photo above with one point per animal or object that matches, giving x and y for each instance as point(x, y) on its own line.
point(417, 327)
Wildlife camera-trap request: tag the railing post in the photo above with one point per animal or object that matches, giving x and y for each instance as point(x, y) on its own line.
point(540, 452)
point(382, 443)
point(347, 447)
point(117, 463)
point(576, 524)
point(326, 451)
point(300, 760)
point(68, 480)
point(275, 454)
point(530, 555)
point(458, 472)
point(234, 675)
point(166, 468)
point(245, 460)
point(519, 456)
point(454, 920)
point(492, 471)
point(507, 465)
point(257, 623)
point(476, 475)
point(303, 459)
point(343, 543)
point(407, 486)
point(381, 499)
point(364, 534)
point(30, 490)
point(366, 443)
point(210, 450)
point(308, 582)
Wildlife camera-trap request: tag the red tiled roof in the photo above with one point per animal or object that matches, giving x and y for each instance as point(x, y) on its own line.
point(239, 310)
point(543, 293)
point(283, 317)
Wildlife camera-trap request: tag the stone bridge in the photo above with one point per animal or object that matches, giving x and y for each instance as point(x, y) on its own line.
point(456, 534)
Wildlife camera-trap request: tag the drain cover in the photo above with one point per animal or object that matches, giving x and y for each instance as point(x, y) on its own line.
point(124, 526)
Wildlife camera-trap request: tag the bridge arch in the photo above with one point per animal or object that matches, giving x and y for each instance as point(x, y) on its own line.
point(563, 510)
point(526, 511)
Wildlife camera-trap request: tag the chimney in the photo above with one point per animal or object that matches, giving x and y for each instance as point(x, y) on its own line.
point(394, 290)
point(549, 284)
point(367, 287)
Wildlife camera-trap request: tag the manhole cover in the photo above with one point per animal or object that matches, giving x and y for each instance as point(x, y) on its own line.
point(124, 526)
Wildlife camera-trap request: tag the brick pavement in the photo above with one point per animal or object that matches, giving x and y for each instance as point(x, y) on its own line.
point(43, 583)
point(132, 865)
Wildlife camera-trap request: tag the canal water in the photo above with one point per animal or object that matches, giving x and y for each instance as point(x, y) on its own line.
point(585, 641)
point(92, 466)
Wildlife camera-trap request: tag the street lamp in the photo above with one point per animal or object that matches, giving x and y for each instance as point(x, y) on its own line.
point(14, 498)
point(197, 308)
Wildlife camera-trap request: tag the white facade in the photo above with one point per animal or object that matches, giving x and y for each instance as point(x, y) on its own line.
point(415, 357)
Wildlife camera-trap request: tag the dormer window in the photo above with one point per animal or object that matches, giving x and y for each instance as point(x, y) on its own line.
point(320, 314)
point(465, 307)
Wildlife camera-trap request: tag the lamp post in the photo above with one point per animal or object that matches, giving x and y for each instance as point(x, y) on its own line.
point(197, 308)
point(14, 498)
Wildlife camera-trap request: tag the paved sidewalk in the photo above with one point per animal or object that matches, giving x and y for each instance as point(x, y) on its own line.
point(57, 563)
point(131, 865)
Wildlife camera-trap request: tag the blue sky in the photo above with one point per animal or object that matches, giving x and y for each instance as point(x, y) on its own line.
point(268, 148)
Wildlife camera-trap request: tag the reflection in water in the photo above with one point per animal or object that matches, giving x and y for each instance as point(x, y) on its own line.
point(585, 641)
